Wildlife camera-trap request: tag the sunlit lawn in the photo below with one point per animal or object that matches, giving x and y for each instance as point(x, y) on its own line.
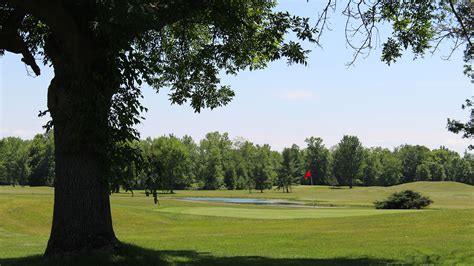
point(180, 232)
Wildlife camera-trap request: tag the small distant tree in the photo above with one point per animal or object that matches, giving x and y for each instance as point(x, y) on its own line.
point(347, 163)
point(444, 157)
point(411, 157)
point(170, 158)
point(230, 173)
point(317, 160)
point(372, 167)
point(263, 171)
point(391, 169)
point(247, 153)
point(14, 166)
point(213, 150)
point(463, 171)
point(41, 160)
point(193, 153)
point(423, 172)
point(438, 172)
point(290, 170)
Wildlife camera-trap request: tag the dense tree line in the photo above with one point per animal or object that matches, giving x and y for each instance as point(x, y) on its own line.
point(217, 162)
point(27, 162)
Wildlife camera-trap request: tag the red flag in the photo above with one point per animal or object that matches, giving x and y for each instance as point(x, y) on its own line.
point(307, 175)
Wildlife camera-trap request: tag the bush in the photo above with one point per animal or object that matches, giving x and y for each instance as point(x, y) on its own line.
point(407, 199)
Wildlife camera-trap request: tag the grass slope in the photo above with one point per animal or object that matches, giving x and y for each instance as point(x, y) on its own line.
point(174, 235)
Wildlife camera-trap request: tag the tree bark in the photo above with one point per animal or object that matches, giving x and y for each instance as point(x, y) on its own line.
point(82, 219)
point(79, 103)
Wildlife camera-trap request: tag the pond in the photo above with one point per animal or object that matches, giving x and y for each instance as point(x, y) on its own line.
point(245, 201)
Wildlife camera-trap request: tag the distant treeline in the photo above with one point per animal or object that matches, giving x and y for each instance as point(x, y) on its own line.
point(216, 162)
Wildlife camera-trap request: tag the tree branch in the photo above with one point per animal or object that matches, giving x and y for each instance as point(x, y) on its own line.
point(11, 40)
point(459, 19)
point(55, 16)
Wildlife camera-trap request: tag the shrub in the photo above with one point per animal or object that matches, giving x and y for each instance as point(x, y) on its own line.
point(407, 199)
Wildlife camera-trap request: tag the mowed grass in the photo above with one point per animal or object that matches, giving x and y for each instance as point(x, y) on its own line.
point(444, 194)
point(253, 213)
point(198, 233)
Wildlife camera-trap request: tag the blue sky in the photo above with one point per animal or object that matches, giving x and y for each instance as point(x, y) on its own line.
point(407, 102)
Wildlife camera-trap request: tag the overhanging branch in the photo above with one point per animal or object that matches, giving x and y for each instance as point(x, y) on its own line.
point(15, 44)
point(12, 41)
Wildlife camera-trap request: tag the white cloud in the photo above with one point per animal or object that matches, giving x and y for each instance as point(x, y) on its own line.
point(295, 95)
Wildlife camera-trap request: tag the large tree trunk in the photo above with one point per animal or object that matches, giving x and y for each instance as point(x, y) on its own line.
point(82, 219)
point(79, 102)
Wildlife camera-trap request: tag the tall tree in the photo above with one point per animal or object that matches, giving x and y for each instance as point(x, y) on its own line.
point(462, 171)
point(391, 169)
point(41, 160)
point(445, 158)
point(423, 172)
point(317, 160)
point(438, 173)
point(193, 153)
point(231, 162)
point(213, 150)
point(347, 163)
point(14, 161)
point(263, 171)
point(411, 157)
point(171, 159)
point(291, 170)
point(248, 152)
point(372, 167)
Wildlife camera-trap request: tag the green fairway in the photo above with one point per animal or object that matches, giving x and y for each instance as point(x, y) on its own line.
point(202, 233)
point(253, 213)
point(445, 194)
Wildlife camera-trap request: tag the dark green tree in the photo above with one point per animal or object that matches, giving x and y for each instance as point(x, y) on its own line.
point(445, 158)
point(423, 172)
point(411, 157)
point(263, 171)
point(469, 158)
point(170, 159)
point(247, 163)
point(231, 162)
point(213, 150)
point(14, 161)
point(391, 169)
point(193, 154)
point(347, 163)
point(461, 171)
point(372, 167)
point(317, 160)
point(437, 171)
point(291, 170)
point(41, 160)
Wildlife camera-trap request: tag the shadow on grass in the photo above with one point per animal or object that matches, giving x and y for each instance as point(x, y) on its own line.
point(134, 255)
